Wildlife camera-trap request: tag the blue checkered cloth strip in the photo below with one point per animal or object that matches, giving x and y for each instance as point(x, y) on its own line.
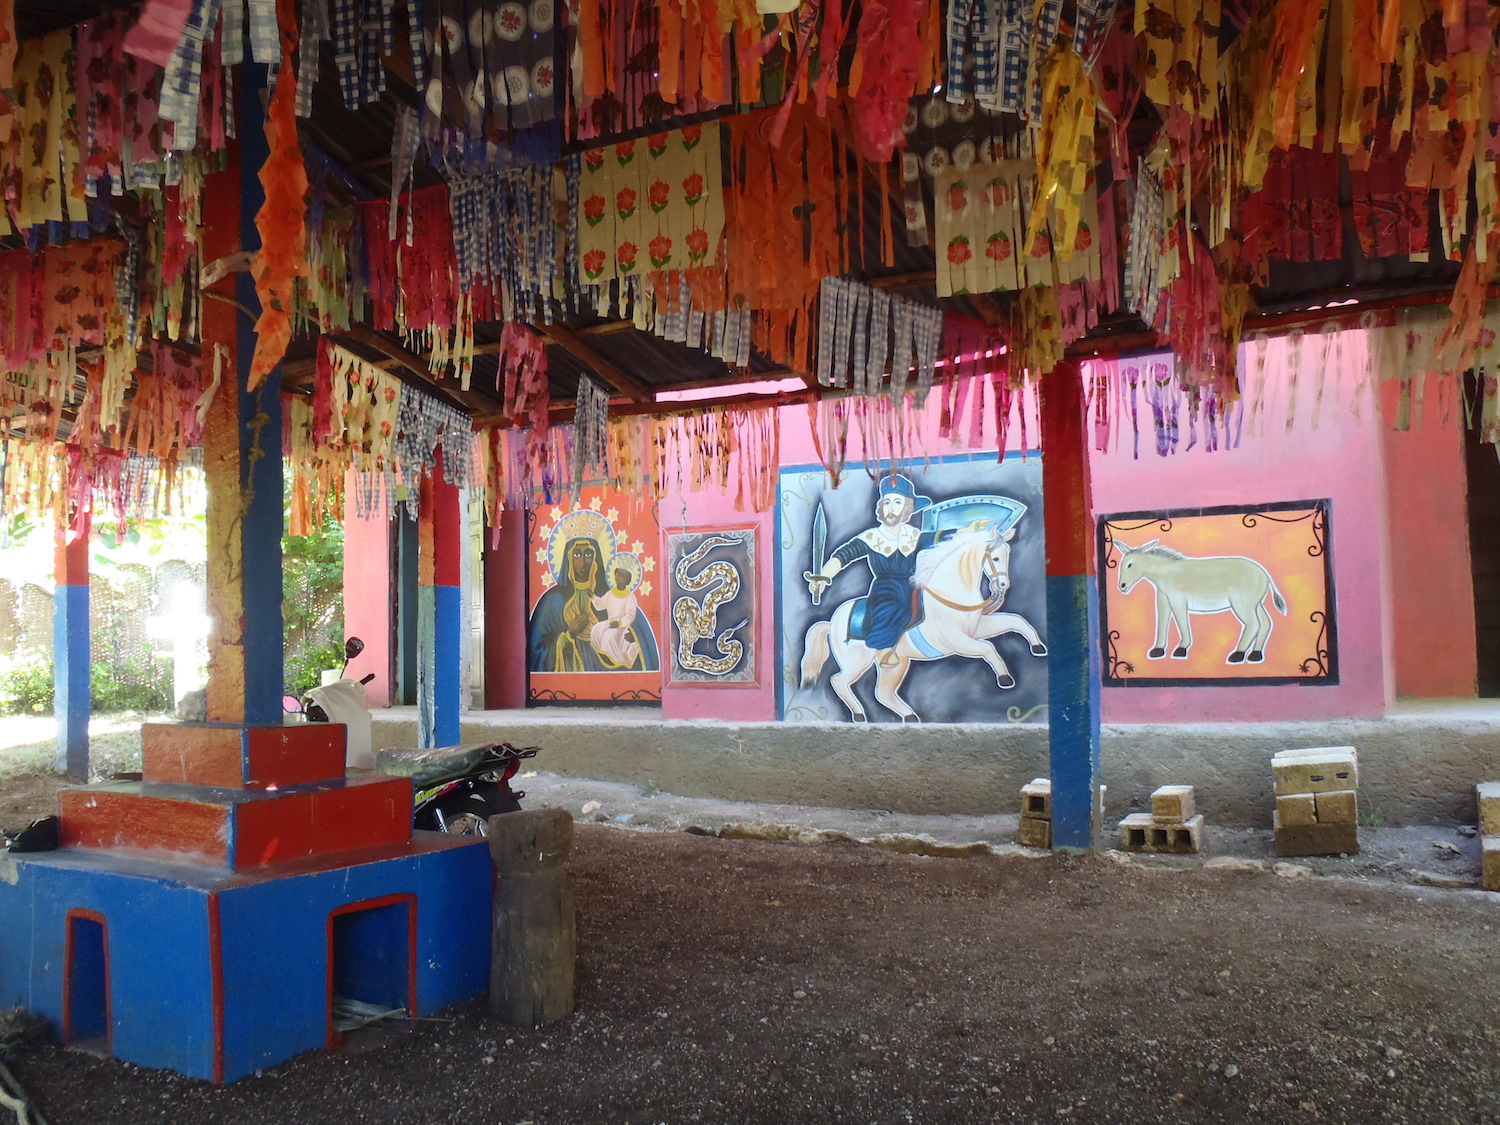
point(232, 33)
point(1015, 53)
point(1048, 16)
point(346, 49)
point(265, 39)
point(314, 31)
point(418, 45)
point(371, 68)
point(184, 76)
point(974, 25)
point(388, 27)
point(465, 208)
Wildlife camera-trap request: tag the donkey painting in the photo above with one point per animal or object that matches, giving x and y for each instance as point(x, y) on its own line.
point(1185, 585)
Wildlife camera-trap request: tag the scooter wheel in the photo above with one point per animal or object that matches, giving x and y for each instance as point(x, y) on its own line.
point(469, 815)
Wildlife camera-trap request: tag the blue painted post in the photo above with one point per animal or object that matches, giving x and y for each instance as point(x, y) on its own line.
point(70, 647)
point(1072, 614)
point(440, 691)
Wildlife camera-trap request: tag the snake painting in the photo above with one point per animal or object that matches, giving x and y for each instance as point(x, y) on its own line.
point(696, 620)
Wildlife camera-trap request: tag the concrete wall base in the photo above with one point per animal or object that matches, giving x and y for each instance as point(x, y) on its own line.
point(1416, 767)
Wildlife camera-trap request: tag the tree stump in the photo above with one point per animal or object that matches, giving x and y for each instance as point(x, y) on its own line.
point(533, 944)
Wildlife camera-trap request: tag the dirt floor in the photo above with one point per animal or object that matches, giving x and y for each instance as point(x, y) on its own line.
point(834, 977)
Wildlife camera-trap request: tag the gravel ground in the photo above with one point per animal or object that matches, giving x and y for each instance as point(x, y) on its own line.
point(785, 964)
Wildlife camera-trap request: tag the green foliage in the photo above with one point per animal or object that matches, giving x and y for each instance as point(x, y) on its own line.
point(650, 788)
point(312, 606)
point(139, 684)
point(303, 671)
point(26, 685)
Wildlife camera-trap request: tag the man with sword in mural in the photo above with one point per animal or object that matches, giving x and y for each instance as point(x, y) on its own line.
point(890, 549)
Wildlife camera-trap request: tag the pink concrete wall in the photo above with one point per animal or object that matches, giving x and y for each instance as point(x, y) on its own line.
point(367, 601)
point(1431, 579)
point(1341, 459)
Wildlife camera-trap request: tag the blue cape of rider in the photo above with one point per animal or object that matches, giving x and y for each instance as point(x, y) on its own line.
point(890, 605)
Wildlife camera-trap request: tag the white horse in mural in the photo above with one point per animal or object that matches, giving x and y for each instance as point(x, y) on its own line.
point(1212, 584)
point(958, 619)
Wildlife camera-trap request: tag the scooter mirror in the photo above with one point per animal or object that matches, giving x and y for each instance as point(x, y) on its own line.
point(353, 647)
point(291, 704)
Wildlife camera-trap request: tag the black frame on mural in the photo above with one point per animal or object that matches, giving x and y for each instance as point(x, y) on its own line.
point(1322, 664)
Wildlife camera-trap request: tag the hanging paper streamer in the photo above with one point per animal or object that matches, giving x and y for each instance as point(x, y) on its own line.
point(490, 65)
point(864, 333)
point(651, 205)
point(281, 219)
point(590, 430)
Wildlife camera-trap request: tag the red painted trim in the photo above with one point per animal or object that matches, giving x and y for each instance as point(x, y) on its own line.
point(67, 1028)
point(447, 529)
point(1067, 510)
point(216, 984)
point(411, 949)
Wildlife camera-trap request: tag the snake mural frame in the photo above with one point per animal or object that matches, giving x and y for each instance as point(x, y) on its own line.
point(712, 617)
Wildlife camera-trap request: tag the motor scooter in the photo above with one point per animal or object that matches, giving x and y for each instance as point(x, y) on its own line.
point(456, 788)
point(339, 699)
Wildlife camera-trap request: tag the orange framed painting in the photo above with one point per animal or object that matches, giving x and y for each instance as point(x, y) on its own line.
point(1224, 595)
point(595, 609)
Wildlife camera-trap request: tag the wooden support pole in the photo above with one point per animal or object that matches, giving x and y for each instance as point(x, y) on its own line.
point(534, 947)
point(241, 449)
point(440, 689)
point(70, 645)
point(1072, 613)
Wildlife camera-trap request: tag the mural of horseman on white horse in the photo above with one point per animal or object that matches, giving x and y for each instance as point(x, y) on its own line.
point(1186, 585)
point(933, 594)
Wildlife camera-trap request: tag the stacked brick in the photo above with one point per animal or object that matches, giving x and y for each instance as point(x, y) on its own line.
point(1035, 827)
point(1034, 830)
point(1317, 811)
point(1173, 825)
point(1489, 831)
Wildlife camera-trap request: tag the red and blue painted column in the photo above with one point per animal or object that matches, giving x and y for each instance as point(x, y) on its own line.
point(70, 645)
point(241, 448)
point(440, 602)
point(1072, 613)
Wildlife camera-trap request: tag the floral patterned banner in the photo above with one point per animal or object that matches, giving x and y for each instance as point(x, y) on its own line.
point(652, 205)
point(981, 216)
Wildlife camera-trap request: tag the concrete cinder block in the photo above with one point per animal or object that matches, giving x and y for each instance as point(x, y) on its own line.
point(1341, 807)
point(1490, 875)
point(1173, 804)
point(1297, 809)
point(1316, 839)
point(1142, 832)
point(1135, 832)
point(1034, 832)
point(1036, 800)
point(1489, 807)
point(1319, 770)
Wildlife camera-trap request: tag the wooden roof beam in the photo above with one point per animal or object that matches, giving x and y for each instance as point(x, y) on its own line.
point(571, 343)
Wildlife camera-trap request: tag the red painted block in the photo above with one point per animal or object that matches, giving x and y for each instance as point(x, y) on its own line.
point(294, 754)
point(124, 816)
point(193, 754)
point(361, 812)
point(233, 756)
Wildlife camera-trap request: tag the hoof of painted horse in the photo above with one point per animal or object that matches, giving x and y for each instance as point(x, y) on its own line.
point(1236, 657)
point(1006, 681)
point(1179, 653)
point(910, 719)
point(1255, 656)
point(1038, 650)
point(1156, 654)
